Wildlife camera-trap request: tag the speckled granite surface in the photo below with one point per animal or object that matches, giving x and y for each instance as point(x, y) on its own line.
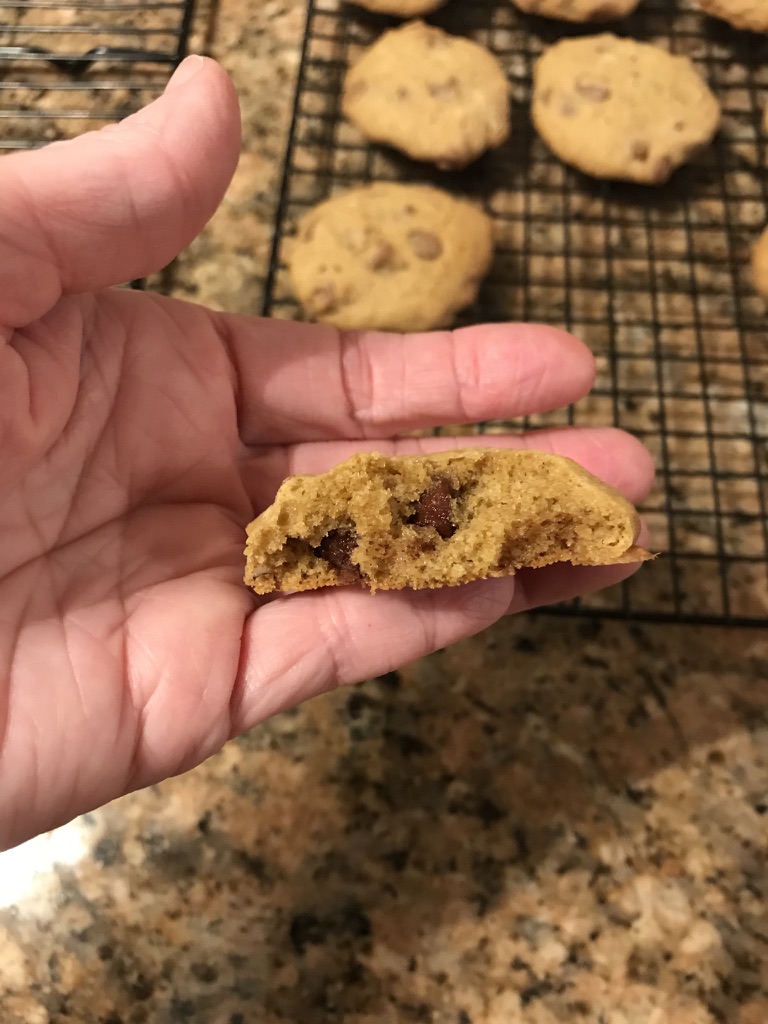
point(558, 821)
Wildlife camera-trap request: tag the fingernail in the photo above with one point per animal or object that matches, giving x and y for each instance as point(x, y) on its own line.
point(188, 67)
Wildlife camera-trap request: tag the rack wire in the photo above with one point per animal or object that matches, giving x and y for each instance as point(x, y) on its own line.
point(66, 68)
point(656, 281)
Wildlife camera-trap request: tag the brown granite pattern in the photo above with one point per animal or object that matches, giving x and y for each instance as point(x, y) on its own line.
point(559, 821)
point(258, 43)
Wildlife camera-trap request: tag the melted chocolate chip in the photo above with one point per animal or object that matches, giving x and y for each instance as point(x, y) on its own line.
point(592, 89)
point(425, 244)
point(356, 89)
point(337, 548)
point(324, 299)
point(445, 91)
point(434, 508)
point(640, 150)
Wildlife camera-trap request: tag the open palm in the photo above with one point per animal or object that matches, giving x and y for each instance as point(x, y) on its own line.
point(139, 435)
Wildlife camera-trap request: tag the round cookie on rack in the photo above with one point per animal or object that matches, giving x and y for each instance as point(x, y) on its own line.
point(578, 10)
point(400, 8)
point(745, 14)
point(390, 257)
point(760, 264)
point(619, 109)
point(439, 98)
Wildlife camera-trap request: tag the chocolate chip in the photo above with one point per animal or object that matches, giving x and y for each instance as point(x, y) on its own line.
point(591, 89)
point(425, 245)
point(402, 92)
point(605, 12)
point(382, 256)
point(324, 299)
point(307, 230)
point(435, 509)
point(448, 90)
point(568, 107)
point(356, 89)
point(662, 170)
point(545, 96)
point(337, 548)
point(434, 39)
point(640, 150)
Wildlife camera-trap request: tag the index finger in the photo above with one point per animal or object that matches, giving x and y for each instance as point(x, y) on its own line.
point(302, 382)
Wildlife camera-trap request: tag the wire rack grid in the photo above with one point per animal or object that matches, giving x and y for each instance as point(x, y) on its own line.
point(656, 281)
point(67, 68)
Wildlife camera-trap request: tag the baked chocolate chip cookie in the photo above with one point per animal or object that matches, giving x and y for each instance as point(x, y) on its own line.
point(401, 8)
point(388, 522)
point(760, 263)
point(578, 10)
point(746, 14)
point(617, 108)
point(391, 257)
point(439, 98)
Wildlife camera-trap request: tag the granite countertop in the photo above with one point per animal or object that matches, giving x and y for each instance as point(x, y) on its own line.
point(561, 820)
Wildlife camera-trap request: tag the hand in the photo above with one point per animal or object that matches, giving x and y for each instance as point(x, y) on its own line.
point(139, 435)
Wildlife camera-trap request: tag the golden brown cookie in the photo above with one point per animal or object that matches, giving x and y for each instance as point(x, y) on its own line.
point(401, 8)
point(578, 10)
point(391, 257)
point(746, 14)
point(760, 263)
point(437, 97)
point(616, 108)
point(388, 522)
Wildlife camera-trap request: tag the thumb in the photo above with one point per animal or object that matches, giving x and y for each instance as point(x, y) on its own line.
point(119, 203)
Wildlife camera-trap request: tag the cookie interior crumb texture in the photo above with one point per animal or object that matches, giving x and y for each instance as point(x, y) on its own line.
point(617, 108)
point(389, 522)
point(437, 97)
point(390, 257)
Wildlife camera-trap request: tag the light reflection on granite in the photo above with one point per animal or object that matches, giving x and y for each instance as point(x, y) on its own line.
point(558, 821)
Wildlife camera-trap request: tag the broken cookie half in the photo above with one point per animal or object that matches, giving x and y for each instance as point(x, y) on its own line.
point(389, 522)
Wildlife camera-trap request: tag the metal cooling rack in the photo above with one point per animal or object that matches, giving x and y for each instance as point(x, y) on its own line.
point(656, 281)
point(66, 68)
